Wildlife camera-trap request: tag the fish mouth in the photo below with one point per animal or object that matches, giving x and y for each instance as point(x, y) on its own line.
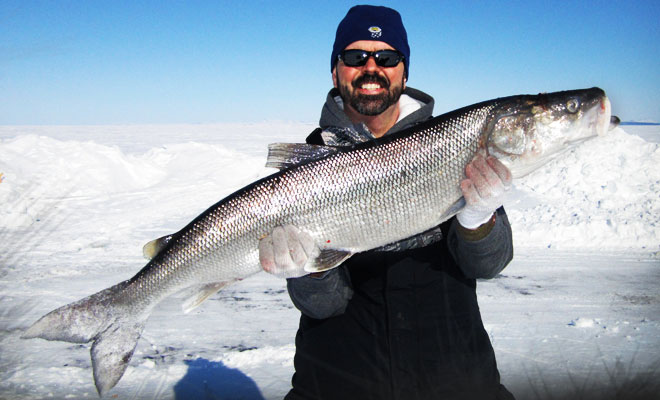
point(604, 117)
point(614, 122)
point(596, 121)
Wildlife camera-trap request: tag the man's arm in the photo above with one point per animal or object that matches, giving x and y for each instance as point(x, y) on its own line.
point(480, 236)
point(321, 295)
point(482, 254)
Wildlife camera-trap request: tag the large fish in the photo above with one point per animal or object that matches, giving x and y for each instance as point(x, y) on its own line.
point(348, 199)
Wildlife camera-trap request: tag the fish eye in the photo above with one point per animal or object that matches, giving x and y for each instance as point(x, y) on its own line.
point(573, 105)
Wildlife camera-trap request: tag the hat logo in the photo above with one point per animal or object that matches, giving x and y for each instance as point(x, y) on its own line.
point(375, 31)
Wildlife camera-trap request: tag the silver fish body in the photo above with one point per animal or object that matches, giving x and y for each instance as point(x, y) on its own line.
point(348, 199)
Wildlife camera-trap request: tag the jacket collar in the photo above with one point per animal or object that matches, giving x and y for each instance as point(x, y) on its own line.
point(333, 116)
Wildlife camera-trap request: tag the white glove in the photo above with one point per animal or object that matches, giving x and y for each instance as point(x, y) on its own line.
point(285, 251)
point(483, 189)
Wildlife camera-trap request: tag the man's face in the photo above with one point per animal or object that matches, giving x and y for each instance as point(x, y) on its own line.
point(369, 89)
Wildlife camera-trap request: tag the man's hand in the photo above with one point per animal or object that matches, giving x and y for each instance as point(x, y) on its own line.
point(285, 251)
point(483, 189)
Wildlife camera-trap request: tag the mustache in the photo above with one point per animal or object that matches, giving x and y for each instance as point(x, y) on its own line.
point(371, 78)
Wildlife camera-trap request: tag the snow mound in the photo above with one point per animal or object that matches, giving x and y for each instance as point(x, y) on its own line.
point(40, 170)
point(603, 195)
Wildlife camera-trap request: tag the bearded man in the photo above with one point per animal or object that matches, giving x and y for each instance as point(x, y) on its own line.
point(401, 321)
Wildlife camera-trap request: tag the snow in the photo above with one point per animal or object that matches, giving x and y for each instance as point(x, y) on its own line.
point(600, 196)
point(575, 315)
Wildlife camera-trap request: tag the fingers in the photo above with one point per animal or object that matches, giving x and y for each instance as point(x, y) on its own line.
point(487, 176)
point(501, 170)
point(266, 257)
point(306, 242)
point(486, 181)
point(285, 251)
point(470, 192)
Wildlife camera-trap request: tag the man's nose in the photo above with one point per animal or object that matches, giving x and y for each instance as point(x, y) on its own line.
point(371, 64)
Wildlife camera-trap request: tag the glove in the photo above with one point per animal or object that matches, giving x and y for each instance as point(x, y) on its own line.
point(483, 189)
point(285, 251)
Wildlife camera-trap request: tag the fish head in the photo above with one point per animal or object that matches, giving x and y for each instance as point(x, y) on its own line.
point(526, 132)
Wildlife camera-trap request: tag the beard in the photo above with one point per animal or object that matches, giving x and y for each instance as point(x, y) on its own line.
point(370, 105)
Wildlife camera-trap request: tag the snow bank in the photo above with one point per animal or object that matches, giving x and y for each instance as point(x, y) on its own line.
point(39, 168)
point(604, 195)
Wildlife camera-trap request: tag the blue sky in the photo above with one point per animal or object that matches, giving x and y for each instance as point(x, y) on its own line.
point(129, 62)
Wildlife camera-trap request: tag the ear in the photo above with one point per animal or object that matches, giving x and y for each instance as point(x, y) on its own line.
point(404, 83)
point(334, 77)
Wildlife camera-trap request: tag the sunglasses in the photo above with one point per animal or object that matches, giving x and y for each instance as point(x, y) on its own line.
point(383, 58)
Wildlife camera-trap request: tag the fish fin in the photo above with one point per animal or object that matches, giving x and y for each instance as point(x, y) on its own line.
point(100, 319)
point(453, 209)
point(151, 249)
point(112, 351)
point(287, 155)
point(327, 259)
point(201, 293)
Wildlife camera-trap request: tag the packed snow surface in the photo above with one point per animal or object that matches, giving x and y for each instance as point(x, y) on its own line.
point(576, 314)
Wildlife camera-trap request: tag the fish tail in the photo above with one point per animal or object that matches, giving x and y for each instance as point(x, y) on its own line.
point(100, 318)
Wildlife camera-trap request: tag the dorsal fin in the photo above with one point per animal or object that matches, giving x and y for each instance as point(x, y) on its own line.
point(287, 155)
point(151, 249)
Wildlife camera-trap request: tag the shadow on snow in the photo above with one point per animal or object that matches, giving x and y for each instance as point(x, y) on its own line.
point(210, 380)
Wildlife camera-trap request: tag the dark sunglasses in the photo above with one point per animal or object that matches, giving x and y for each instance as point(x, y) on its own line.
point(383, 58)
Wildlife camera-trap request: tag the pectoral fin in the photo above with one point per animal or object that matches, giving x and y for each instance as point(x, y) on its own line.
point(327, 259)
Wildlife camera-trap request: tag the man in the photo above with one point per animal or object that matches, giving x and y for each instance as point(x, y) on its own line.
point(402, 321)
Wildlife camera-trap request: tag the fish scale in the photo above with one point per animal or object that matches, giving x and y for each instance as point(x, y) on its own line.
point(348, 199)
